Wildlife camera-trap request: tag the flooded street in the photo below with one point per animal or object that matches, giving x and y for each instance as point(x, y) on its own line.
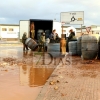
point(19, 78)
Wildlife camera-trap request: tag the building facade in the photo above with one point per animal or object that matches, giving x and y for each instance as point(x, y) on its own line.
point(94, 29)
point(9, 32)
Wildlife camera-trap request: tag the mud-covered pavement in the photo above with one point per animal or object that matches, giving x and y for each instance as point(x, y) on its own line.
point(19, 78)
point(78, 80)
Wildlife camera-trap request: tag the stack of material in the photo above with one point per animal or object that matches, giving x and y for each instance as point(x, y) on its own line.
point(89, 46)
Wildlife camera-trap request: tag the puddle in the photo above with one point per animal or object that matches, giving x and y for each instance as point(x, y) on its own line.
point(34, 76)
point(18, 80)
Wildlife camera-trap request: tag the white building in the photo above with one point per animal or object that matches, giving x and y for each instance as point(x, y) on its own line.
point(13, 32)
point(94, 29)
point(9, 31)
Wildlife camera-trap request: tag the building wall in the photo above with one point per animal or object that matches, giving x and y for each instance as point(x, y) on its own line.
point(93, 31)
point(57, 26)
point(24, 27)
point(6, 31)
point(9, 32)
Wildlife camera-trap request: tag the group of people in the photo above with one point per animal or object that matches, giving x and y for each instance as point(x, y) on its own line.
point(53, 37)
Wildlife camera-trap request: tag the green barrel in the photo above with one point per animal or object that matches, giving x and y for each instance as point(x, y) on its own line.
point(89, 47)
point(54, 49)
point(72, 45)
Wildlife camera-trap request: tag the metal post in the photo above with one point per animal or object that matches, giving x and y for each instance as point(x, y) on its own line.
point(62, 29)
point(81, 28)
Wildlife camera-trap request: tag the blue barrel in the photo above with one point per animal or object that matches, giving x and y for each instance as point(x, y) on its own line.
point(89, 47)
point(79, 46)
point(54, 49)
point(31, 44)
point(72, 45)
point(47, 41)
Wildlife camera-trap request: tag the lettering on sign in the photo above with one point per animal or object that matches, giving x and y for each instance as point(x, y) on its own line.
point(79, 19)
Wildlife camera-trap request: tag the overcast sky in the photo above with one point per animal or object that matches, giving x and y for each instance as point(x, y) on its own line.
point(11, 11)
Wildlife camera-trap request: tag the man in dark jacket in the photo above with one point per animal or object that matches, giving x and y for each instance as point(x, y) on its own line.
point(23, 41)
point(53, 36)
point(71, 35)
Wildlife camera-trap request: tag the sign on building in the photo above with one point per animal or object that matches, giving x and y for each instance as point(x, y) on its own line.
point(73, 17)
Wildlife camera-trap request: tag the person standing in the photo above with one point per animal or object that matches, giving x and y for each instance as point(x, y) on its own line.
point(53, 36)
point(32, 27)
point(42, 41)
point(24, 37)
point(57, 38)
point(71, 36)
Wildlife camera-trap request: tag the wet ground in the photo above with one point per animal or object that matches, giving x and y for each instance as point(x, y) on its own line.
point(20, 79)
point(22, 76)
point(77, 80)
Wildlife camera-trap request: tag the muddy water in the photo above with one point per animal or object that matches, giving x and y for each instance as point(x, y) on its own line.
point(18, 80)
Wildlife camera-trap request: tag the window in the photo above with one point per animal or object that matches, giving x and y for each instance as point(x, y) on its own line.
point(11, 29)
point(4, 29)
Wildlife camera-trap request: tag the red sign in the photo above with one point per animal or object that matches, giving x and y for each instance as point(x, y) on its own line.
point(88, 29)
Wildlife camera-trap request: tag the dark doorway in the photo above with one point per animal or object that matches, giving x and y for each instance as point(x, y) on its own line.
point(41, 25)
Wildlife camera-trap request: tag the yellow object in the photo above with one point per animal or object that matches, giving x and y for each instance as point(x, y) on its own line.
point(63, 46)
point(33, 33)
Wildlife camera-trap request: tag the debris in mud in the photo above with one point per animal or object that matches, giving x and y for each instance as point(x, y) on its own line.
point(3, 64)
point(11, 63)
point(62, 94)
point(87, 62)
point(89, 74)
point(59, 72)
point(51, 83)
point(54, 82)
point(60, 76)
point(5, 70)
point(71, 75)
point(54, 75)
point(9, 59)
point(56, 87)
point(58, 81)
point(90, 67)
point(66, 82)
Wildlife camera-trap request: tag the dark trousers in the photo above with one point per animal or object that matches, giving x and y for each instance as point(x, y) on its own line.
point(25, 47)
point(42, 47)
